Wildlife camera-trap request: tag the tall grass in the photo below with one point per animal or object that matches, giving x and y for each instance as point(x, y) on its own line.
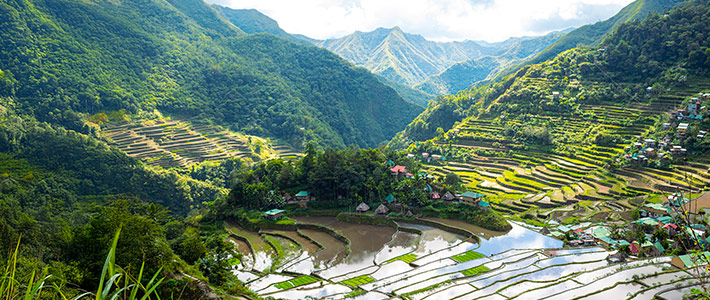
point(113, 285)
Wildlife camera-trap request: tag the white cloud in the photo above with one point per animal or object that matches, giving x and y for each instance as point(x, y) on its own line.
point(491, 20)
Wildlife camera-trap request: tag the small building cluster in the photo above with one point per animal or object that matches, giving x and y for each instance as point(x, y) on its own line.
point(679, 219)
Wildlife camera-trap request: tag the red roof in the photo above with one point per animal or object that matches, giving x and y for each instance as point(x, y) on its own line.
point(578, 231)
point(435, 196)
point(399, 169)
point(674, 226)
point(635, 248)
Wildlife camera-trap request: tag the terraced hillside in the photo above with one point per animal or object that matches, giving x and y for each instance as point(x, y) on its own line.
point(183, 143)
point(519, 177)
point(463, 269)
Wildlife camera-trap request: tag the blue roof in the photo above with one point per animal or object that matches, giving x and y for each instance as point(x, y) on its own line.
point(472, 195)
point(483, 203)
point(303, 194)
point(390, 198)
point(564, 228)
point(273, 212)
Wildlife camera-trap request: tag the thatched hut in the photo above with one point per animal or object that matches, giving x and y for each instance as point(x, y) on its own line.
point(362, 208)
point(448, 196)
point(382, 210)
point(408, 214)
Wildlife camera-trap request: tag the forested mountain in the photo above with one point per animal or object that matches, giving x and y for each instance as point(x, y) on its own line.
point(414, 61)
point(252, 21)
point(63, 57)
point(593, 34)
point(462, 74)
point(663, 50)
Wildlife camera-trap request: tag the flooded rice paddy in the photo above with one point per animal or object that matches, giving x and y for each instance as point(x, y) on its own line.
point(423, 262)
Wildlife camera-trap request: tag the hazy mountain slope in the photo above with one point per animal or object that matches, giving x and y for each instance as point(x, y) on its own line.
point(656, 50)
point(399, 56)
point(593, 34)
point(252, 21)
point(65, 57)
point(414, 61)
point(463, 74)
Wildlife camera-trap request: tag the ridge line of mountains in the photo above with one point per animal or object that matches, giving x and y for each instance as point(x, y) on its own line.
point(441, 68)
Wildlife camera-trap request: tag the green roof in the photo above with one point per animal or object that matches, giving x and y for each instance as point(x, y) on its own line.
point(390, 198)
point(623, 243)
point(607, 240)
point(656, 206)
point(483, 203)
point(646, 244)
point(428, 188)
point(665, 220)
point(303, 194)
point(274, 212)
point(564, 228)
point(600, 232)
point(659, 247)
point(557, 234)
point(472, 195)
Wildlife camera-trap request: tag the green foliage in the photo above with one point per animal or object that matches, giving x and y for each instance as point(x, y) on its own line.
point(408, 258)
point(64, 57)
point(467, 256)
point(299, 281)
point(358, 281)
point(475, 271)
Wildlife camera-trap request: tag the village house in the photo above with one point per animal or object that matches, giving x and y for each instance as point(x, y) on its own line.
point(654, 210)
point(555, 95)
point(690, 260)
point(274, 214)
point(649, 142)
point(390, 198)
point(682, 129)
point(398, 171)
point(303, 196)
point(471, 198)
point(697, 208)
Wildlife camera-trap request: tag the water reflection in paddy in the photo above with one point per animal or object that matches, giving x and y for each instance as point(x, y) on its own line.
point(402, 243)
point(365, 242)
point(518, 238)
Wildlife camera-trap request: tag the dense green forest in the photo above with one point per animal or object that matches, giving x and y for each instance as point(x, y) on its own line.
point(661, 49)
point(341, 179)
point(64, 57)
point(593, 34)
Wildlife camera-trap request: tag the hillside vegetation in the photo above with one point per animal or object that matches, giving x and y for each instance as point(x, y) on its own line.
point(63, 57)
point(412, 60)
point(563, 131)
point(593, 34)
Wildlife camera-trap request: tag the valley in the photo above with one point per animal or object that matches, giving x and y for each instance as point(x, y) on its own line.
point(185, 150)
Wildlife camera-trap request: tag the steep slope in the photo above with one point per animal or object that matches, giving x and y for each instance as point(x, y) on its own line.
point(463, 74)
point(252, 21)
point(664, 50)
point(566, 131)
point(63, 58)
point(593, 34)
point(399, 56)
point(414, 61)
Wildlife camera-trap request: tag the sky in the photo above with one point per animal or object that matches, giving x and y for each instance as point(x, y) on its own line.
point(438, 20)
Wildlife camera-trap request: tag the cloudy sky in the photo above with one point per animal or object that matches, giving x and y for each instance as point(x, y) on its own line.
point(440, 20)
